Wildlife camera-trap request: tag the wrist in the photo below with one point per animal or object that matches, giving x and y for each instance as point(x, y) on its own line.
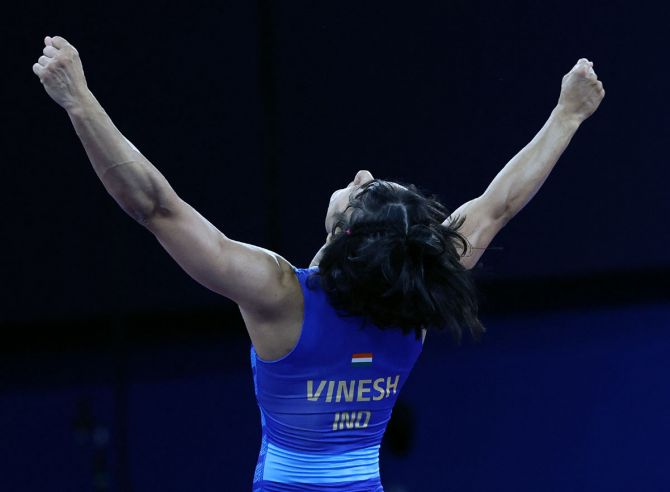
point(82, 104)
point(566, 117)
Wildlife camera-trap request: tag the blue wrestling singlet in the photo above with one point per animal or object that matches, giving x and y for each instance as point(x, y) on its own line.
point(325, 405)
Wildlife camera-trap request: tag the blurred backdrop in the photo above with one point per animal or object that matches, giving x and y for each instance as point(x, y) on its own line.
point(118, 372)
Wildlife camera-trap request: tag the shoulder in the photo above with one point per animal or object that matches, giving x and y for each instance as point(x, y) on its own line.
point(286, 293)
point(274, 331)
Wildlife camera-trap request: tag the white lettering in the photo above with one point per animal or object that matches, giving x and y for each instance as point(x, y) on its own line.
point(310, 390)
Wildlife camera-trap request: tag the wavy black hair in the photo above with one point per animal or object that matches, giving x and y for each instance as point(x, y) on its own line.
point(392, 261)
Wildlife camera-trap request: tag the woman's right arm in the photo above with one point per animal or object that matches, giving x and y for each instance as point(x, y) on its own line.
point(258, 280)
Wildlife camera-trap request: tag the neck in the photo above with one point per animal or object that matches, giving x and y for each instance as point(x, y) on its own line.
point(319, 254)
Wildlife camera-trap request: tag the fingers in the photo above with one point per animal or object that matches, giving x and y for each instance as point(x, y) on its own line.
point(583, 70)
point(50, 51)
point(38, 69)
point(59, 42)
point(584, 67)
point(583, 64)
point(591, 74)
point(601, 88)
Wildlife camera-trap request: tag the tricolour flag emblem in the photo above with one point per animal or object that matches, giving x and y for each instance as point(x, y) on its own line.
point(361, 360)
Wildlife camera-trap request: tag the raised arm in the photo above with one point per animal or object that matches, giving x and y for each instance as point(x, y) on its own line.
point(256, 279)
point(522, 177)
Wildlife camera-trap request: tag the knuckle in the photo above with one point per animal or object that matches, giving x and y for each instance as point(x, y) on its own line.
point(70, 51)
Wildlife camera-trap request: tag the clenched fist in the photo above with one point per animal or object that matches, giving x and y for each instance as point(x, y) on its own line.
point(581, 91)
point(61, 73)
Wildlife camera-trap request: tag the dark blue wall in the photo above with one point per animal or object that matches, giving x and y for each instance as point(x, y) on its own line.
point(256, 112)
point(118, 372)
point(554, 402)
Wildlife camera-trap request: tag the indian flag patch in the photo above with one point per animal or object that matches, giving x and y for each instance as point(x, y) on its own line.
point(361, 360)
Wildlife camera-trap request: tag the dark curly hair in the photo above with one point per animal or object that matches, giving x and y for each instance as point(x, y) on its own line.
point(393, 262)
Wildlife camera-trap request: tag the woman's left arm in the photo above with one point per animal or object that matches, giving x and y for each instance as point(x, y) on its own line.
point(518, 182)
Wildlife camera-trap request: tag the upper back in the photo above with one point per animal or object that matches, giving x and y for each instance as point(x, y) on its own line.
point(335, 390)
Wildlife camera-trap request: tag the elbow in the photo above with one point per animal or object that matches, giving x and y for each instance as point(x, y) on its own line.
point(145, 206)
point(140, 212)
point(512, 208)
point(507, 209)
point(148, 215)
point(143, 209)
point(497, 210)
point(506, 215)
point(142, 217)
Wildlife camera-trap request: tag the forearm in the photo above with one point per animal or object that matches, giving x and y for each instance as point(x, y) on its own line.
point(136, 185)
point(517, 183)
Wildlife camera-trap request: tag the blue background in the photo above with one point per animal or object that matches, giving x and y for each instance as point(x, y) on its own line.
point(118, 372)
point(571, 400)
